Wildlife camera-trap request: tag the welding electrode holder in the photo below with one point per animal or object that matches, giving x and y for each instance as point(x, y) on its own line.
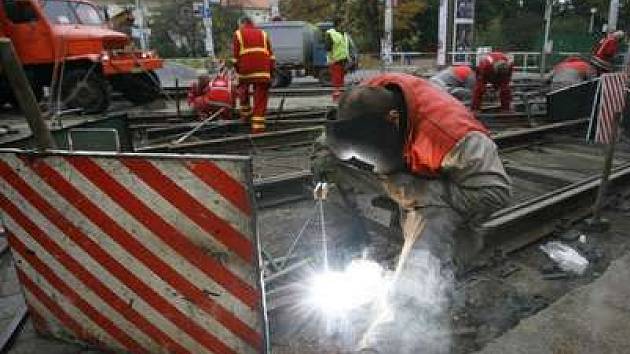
point(321, 191)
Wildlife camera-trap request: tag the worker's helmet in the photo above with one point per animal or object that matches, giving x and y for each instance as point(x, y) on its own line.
point(361, 131)
point(462, 72)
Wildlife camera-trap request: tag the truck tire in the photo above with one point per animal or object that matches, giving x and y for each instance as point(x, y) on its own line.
point(324, 77)
point(84, 89)
point(139, 88)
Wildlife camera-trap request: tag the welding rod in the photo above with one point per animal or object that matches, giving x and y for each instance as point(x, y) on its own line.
point(199, 126)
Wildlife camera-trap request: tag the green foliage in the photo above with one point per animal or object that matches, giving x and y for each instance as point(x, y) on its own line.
point(177, 32)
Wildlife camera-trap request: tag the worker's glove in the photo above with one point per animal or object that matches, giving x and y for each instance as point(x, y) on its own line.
point(323, 161)
point(323, 165)
point(321, 191)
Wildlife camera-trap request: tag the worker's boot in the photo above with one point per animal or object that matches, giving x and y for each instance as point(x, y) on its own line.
point(258, 125)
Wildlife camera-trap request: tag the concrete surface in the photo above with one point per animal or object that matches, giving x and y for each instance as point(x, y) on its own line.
point(592, 319)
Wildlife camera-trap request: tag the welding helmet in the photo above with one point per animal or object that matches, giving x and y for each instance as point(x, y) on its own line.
point(362, 132)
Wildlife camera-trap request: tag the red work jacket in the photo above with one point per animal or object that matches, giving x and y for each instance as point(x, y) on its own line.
point(253, 54)
point(486, 70)
point(607, 48)
point(436, 122)
point(583, 68)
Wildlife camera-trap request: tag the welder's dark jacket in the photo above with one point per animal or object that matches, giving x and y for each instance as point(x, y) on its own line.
point(436, 121)
point(254, 55)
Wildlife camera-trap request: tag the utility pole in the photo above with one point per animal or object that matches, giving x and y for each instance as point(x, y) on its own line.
point(545, 47)
point(613, 15)
point(591, 27)
point(386, 46)
point(207, 23)
point(275, 9)
point(442, 33)
point(141, 29)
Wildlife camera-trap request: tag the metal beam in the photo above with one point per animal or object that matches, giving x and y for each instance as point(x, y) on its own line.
point(7, 337)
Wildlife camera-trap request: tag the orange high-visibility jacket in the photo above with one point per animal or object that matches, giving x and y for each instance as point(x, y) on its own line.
point(253, 54)
point(436, 122)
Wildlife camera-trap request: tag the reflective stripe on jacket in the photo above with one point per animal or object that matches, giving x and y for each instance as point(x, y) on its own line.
point(253, 53)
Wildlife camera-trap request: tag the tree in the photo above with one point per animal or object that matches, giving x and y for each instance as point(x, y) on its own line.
point(177, 32)
point(415, 25)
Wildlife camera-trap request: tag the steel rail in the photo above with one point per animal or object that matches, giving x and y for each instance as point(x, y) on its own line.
point(520, 225)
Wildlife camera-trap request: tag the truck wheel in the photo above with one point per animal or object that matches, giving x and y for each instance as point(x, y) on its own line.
point(85, 90)
point(324, 77)
point(140, 88)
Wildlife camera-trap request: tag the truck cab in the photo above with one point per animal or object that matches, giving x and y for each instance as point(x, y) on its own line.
point(67, 44)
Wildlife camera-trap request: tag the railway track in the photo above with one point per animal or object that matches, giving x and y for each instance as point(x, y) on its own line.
point(556, 177)
point(318, 90)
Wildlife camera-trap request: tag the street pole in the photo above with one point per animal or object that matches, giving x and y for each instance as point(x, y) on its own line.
point(140, 17)
point(591, 28)
point(613, 15)
point(389, 27)
point(442, 33)
point(275, 9)
point(543, 58)
point(207, 23)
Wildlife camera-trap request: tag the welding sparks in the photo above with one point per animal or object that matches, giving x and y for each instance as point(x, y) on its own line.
point(335, 293)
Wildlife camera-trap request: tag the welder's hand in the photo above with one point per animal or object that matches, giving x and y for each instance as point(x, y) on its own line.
point(321, 191)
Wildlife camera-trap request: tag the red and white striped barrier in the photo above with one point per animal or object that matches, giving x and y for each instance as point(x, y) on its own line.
point(135, 253)
point(613, 100)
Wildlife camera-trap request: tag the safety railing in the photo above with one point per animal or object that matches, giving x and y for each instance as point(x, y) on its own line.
point(526, 62)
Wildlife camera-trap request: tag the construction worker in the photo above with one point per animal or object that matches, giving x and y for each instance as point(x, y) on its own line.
point(338, 48)
point(426, 151)
point(494, 68)
point(571, 71)
point(254, 64)
point(457, 80)
point(606, 50)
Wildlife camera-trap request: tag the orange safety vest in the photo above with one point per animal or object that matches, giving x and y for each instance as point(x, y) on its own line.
point(253, 54)
point(436, 122)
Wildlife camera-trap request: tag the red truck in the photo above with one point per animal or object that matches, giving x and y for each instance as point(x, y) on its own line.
point(68, 44)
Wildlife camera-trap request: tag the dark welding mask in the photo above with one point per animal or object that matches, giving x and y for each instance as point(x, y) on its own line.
point(370, 140)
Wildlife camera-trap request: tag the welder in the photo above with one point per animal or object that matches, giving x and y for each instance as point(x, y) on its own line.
point(254, 64)
point(605, 51)
point(427, 152)
point(458, 80)
point(571, 71)
point(207, 96)
point(494, 68)
point(424, 150)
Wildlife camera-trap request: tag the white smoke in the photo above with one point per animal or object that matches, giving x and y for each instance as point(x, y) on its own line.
point(415, 317)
